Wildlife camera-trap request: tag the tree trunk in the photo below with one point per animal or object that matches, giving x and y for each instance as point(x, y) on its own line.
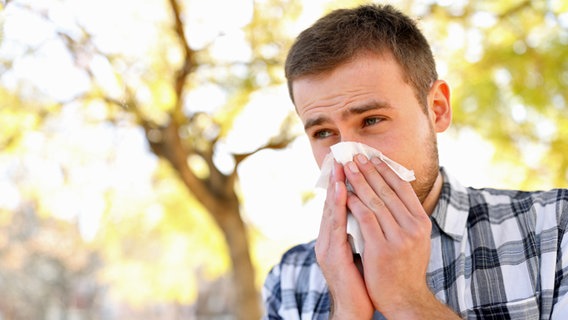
point(220, 199)
point(246, 298)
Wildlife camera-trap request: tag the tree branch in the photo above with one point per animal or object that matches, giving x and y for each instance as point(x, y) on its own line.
point(515, 9)
point(276, 143)
point(189, 57)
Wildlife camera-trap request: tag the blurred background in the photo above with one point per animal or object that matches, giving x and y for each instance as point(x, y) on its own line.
point(152, 166)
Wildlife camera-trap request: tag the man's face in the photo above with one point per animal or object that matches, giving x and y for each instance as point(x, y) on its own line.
point(366, 100)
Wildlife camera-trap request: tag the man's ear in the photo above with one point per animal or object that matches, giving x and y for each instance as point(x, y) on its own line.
point(439, 106)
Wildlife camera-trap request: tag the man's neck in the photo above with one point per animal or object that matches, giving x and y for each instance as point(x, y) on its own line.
point(431, 199)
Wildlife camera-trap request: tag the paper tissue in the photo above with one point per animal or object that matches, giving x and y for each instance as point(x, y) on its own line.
point(344, 152)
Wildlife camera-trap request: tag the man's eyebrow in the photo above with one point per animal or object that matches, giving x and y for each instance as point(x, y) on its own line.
point(374, 105)
point(315, 122)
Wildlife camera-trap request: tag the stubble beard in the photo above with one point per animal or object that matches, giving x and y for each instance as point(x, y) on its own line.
point(430, 169)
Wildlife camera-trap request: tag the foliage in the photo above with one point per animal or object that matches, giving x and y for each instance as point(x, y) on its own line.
point(156, 219)
point(507, 64)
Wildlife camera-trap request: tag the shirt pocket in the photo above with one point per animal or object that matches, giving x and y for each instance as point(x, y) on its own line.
point(517, 309)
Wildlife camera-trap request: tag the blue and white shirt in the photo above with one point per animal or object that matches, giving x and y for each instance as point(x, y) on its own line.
point(495, 254)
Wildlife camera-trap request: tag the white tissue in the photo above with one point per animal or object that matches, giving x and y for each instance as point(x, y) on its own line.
point(344, 152)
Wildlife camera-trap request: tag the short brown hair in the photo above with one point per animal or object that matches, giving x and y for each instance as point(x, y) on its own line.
point(342, 34)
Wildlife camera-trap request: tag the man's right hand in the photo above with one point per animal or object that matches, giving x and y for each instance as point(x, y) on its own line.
point(350, 299)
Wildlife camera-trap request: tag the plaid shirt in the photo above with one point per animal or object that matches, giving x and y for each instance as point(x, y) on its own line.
point(495, 254)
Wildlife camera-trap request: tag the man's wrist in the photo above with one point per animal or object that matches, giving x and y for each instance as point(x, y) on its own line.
point(347, 313)
point(423, 307)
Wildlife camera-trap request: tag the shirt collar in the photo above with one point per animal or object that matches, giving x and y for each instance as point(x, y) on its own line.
point(452, 209)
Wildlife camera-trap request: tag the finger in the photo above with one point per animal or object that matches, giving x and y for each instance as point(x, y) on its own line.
point(384, 191)
point(337, 174)
point(398, 194)
point(403, 189)
point(371, 200)
point(334, 218)
point(369, 225)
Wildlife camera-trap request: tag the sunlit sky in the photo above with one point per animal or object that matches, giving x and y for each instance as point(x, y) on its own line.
point(272, 182)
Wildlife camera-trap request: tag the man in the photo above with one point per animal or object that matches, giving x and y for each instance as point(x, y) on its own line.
point(433, 249)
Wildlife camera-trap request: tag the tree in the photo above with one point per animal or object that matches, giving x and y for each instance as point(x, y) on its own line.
point(153, 92)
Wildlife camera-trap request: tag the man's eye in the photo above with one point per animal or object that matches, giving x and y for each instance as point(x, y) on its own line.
point(320, 134)
point(371, 121)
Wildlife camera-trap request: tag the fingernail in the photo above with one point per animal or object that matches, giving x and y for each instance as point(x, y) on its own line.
point(352, 167)
point(361, 158)
point(376, 160)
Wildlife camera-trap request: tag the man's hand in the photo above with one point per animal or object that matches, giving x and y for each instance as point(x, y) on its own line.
point(396, 231)
point(346, 285)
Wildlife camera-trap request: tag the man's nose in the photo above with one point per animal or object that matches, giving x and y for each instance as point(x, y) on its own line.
point(348, 135)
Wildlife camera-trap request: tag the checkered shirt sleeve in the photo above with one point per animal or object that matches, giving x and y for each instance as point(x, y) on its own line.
point(296, 288)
